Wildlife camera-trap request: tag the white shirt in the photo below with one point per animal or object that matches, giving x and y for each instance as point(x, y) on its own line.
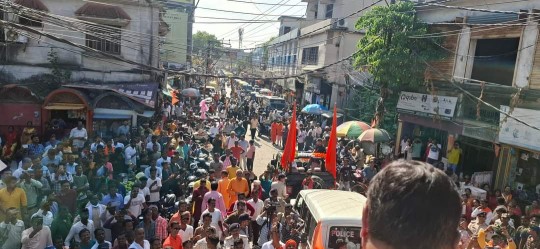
point(47, 218)
point(281, 188)
point(136, 245)
point(131, 157)
point(301, 136)
point(214, 130)
point(135, 208)
point(95, 246)
point(76, 228)
point(75, 132)
point(258, 206)
point(230, 141)
point(434, 152)
point(229, 241)
point(187, 234)
point(216, 218)
point(268, 245)
point(201, 244)
point(154, 197)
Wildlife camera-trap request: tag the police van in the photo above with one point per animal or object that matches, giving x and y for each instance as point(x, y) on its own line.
point(329, 216)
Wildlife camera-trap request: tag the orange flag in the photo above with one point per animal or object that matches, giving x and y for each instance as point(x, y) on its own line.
point(174, 94)
point(330, 160)
point(289, 151)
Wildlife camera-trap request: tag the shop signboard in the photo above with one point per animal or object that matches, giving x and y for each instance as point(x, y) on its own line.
point(515, 133)
point(481, 132)
point(427, 105)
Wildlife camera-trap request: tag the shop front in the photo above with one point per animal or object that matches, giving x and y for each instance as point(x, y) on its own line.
point(20, 107)
point(64, 107)
point(519, 163)
point(425, 116)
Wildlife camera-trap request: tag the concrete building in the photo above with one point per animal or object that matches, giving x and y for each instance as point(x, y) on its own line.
point(178, 14)
point(322, 38)
point(493, 56)
point(76, 84)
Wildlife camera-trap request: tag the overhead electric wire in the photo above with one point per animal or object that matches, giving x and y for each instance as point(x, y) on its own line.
point(236, 12)
point(261, 3)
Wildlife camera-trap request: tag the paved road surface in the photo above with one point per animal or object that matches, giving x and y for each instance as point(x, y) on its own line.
point(265, 150)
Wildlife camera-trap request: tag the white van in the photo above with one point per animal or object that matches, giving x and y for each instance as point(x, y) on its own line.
point(331, 215)
point(273, 103)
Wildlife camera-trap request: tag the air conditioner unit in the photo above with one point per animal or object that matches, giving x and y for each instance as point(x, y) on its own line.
point(341, 24)
point(12, 36)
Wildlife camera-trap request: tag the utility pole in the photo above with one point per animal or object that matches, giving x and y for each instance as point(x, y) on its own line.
point(209, 52)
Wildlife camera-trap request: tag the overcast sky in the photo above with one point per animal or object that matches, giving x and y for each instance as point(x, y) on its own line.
point(254, 33)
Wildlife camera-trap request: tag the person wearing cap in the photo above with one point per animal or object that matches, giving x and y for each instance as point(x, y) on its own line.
point(478, 223)
point(483, 208)
point(234, 231)
point(37, 236)
point(275, 200)
point(291, 244)
point(237, 185)
point(229, 142)
point(501, 239)
point(280, 186)
point(11, 229)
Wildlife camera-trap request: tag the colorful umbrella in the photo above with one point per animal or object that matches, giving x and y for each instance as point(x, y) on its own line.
point(314, 109)
point(352, 129)
point(191, 93)
point(375, 135)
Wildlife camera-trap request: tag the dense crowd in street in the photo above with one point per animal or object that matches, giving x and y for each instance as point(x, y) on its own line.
point(144, 187)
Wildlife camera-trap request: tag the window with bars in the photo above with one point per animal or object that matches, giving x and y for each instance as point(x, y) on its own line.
point(310, 56)
point(110, 41)
point(329, 10)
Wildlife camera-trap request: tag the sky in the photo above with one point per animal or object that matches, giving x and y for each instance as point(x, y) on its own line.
point(254, 33)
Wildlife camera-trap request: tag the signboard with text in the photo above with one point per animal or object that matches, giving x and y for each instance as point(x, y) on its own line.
point(427, 105)
point(515, 133)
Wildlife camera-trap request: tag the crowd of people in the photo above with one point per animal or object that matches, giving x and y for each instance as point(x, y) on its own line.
point(76, 190)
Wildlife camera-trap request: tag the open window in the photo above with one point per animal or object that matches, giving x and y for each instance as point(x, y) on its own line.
point(494, 60)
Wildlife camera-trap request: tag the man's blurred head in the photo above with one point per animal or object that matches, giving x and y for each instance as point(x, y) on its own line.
point(413, 202)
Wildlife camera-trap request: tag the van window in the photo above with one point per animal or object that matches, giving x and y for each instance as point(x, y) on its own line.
point(311, 223)
point(351, 235)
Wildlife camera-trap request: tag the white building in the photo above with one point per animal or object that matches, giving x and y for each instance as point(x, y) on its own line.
point(133, 35)
point(109, 74)
point(325, 36)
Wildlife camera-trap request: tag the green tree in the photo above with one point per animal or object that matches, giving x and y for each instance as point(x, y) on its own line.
point(202, 41)
point(396, 61)
point(265, 50)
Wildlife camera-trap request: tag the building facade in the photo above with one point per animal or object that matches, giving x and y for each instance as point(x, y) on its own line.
point(325, 36)
point(84, 63)
point(492, 69)
point(178, 15)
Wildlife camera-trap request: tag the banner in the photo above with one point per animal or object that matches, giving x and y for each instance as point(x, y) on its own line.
point(427, 105)
point(515, 133)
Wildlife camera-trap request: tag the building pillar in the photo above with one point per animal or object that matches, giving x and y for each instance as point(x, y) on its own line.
point(464, 43)
point(526, 54)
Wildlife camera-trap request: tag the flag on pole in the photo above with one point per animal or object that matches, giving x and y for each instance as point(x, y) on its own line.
point(330, 160)
point(174, 94)
point(289, 151)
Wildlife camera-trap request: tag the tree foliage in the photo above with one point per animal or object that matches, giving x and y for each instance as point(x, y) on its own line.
point(203, 40)
point(394, 58)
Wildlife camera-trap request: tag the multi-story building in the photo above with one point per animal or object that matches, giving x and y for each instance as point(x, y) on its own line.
point(111, 74)
point(176, 45)
point(325, 36)
point(492, 68)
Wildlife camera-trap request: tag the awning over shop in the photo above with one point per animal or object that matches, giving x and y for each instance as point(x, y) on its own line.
point(280, 82)
point(111, 116)
point(144, 93)
point(103, 13)
point(32, 4)
point(147, 114)
point(64, 106)
point(291, 84)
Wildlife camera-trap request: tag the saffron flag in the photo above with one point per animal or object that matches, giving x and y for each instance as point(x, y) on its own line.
point(174, 94)
point(289, 151)
point(330, 160)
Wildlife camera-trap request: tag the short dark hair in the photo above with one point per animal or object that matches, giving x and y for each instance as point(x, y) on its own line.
point(214, 185)
point(418, 200)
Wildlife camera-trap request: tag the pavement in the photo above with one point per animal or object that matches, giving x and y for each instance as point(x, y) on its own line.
point(264, 151)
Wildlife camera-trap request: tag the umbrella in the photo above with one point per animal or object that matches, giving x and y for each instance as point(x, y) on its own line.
point(314, 109)
point(375, 135)
point(352, 129)
point(191, 93)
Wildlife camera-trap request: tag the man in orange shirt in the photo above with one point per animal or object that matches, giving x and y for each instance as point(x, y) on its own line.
point(12, 197)
point(223, 184)
point(174, 240)
point(236, 186)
